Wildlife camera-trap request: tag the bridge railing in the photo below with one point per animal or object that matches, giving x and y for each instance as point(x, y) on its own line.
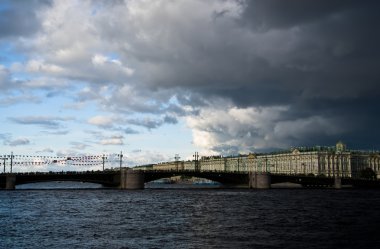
point(62, 172)
point(179, 171)
point(284, 173)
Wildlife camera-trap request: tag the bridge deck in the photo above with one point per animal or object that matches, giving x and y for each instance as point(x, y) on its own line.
point(112, 178)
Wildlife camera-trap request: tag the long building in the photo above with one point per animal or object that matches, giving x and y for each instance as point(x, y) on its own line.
point(318, 161)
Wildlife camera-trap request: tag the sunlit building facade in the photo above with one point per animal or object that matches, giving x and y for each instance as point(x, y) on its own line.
point(317, 161)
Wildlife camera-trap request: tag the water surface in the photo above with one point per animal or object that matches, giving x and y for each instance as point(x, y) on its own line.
point(189, 218)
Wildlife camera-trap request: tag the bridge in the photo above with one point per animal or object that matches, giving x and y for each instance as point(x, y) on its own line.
point(135, 179)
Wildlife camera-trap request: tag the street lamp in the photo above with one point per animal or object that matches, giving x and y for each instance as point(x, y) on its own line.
point(196, 157)
point(4, 159)
point(12, 156)
point(121, 159)
point(104, 158)
point(176, 158)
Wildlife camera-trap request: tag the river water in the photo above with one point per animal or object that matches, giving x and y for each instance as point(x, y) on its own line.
point(189, 218)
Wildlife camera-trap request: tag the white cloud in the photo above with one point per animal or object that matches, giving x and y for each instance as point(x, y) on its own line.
point(47, 83)
point(79, 145)
point(99, 59)
point(240, 130)
point(103, 121)
point(141, 157)
point(46, 150)
point(113, 140)
point(18, 141)
point(110, 66)
point(218, 130)
point(36, 66)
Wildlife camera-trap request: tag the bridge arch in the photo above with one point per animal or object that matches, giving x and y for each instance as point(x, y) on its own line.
point(104, 178)
point(220, 177)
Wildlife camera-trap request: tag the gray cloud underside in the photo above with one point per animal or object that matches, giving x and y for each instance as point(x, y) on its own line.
point(18, 142)
point(8, 140)
point(48, 122)
point(309, 69)
point(320, 59)
point(18, 18)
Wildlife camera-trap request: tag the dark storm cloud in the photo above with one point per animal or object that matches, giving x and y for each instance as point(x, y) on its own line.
point(18, 18)
point(276, 72)
point(327, 67)
point(267, 14)
point(335, 49)
point(334, 53)
point(357, 117)
point(319, 59)
point(307, 49)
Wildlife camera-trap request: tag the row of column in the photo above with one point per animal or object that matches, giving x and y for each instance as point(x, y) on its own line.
point(374, 163)
point(285, 164)
point(338, 165)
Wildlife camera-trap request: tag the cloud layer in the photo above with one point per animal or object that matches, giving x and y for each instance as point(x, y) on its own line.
point(243, 75)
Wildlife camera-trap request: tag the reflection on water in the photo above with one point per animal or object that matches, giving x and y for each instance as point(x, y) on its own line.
point(158, 185)
point(88, 185)
point(59, 185)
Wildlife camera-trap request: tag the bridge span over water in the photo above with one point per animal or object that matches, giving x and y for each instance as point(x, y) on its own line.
point(135, 179)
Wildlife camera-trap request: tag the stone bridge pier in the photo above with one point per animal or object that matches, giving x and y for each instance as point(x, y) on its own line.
point(10, 182)
point(259, 180)
point(337, 182)
point(131, 179)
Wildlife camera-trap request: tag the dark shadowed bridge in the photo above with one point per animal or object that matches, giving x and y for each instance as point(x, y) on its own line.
point(135, 179)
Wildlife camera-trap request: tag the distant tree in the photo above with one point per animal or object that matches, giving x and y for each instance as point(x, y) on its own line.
point(367, 173)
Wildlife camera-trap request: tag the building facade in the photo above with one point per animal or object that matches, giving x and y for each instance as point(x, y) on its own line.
point(317, 161)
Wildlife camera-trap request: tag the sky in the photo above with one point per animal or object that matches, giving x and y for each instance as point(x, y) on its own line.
point(157, 78)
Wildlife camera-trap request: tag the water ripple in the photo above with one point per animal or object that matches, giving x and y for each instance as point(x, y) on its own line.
point(215, 218)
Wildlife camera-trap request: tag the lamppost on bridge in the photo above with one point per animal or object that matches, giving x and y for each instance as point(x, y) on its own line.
point(121, 160)
point(196, 161)
point(12, 156)
point(104, 158)
point(176, 158)
point(4, 159)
